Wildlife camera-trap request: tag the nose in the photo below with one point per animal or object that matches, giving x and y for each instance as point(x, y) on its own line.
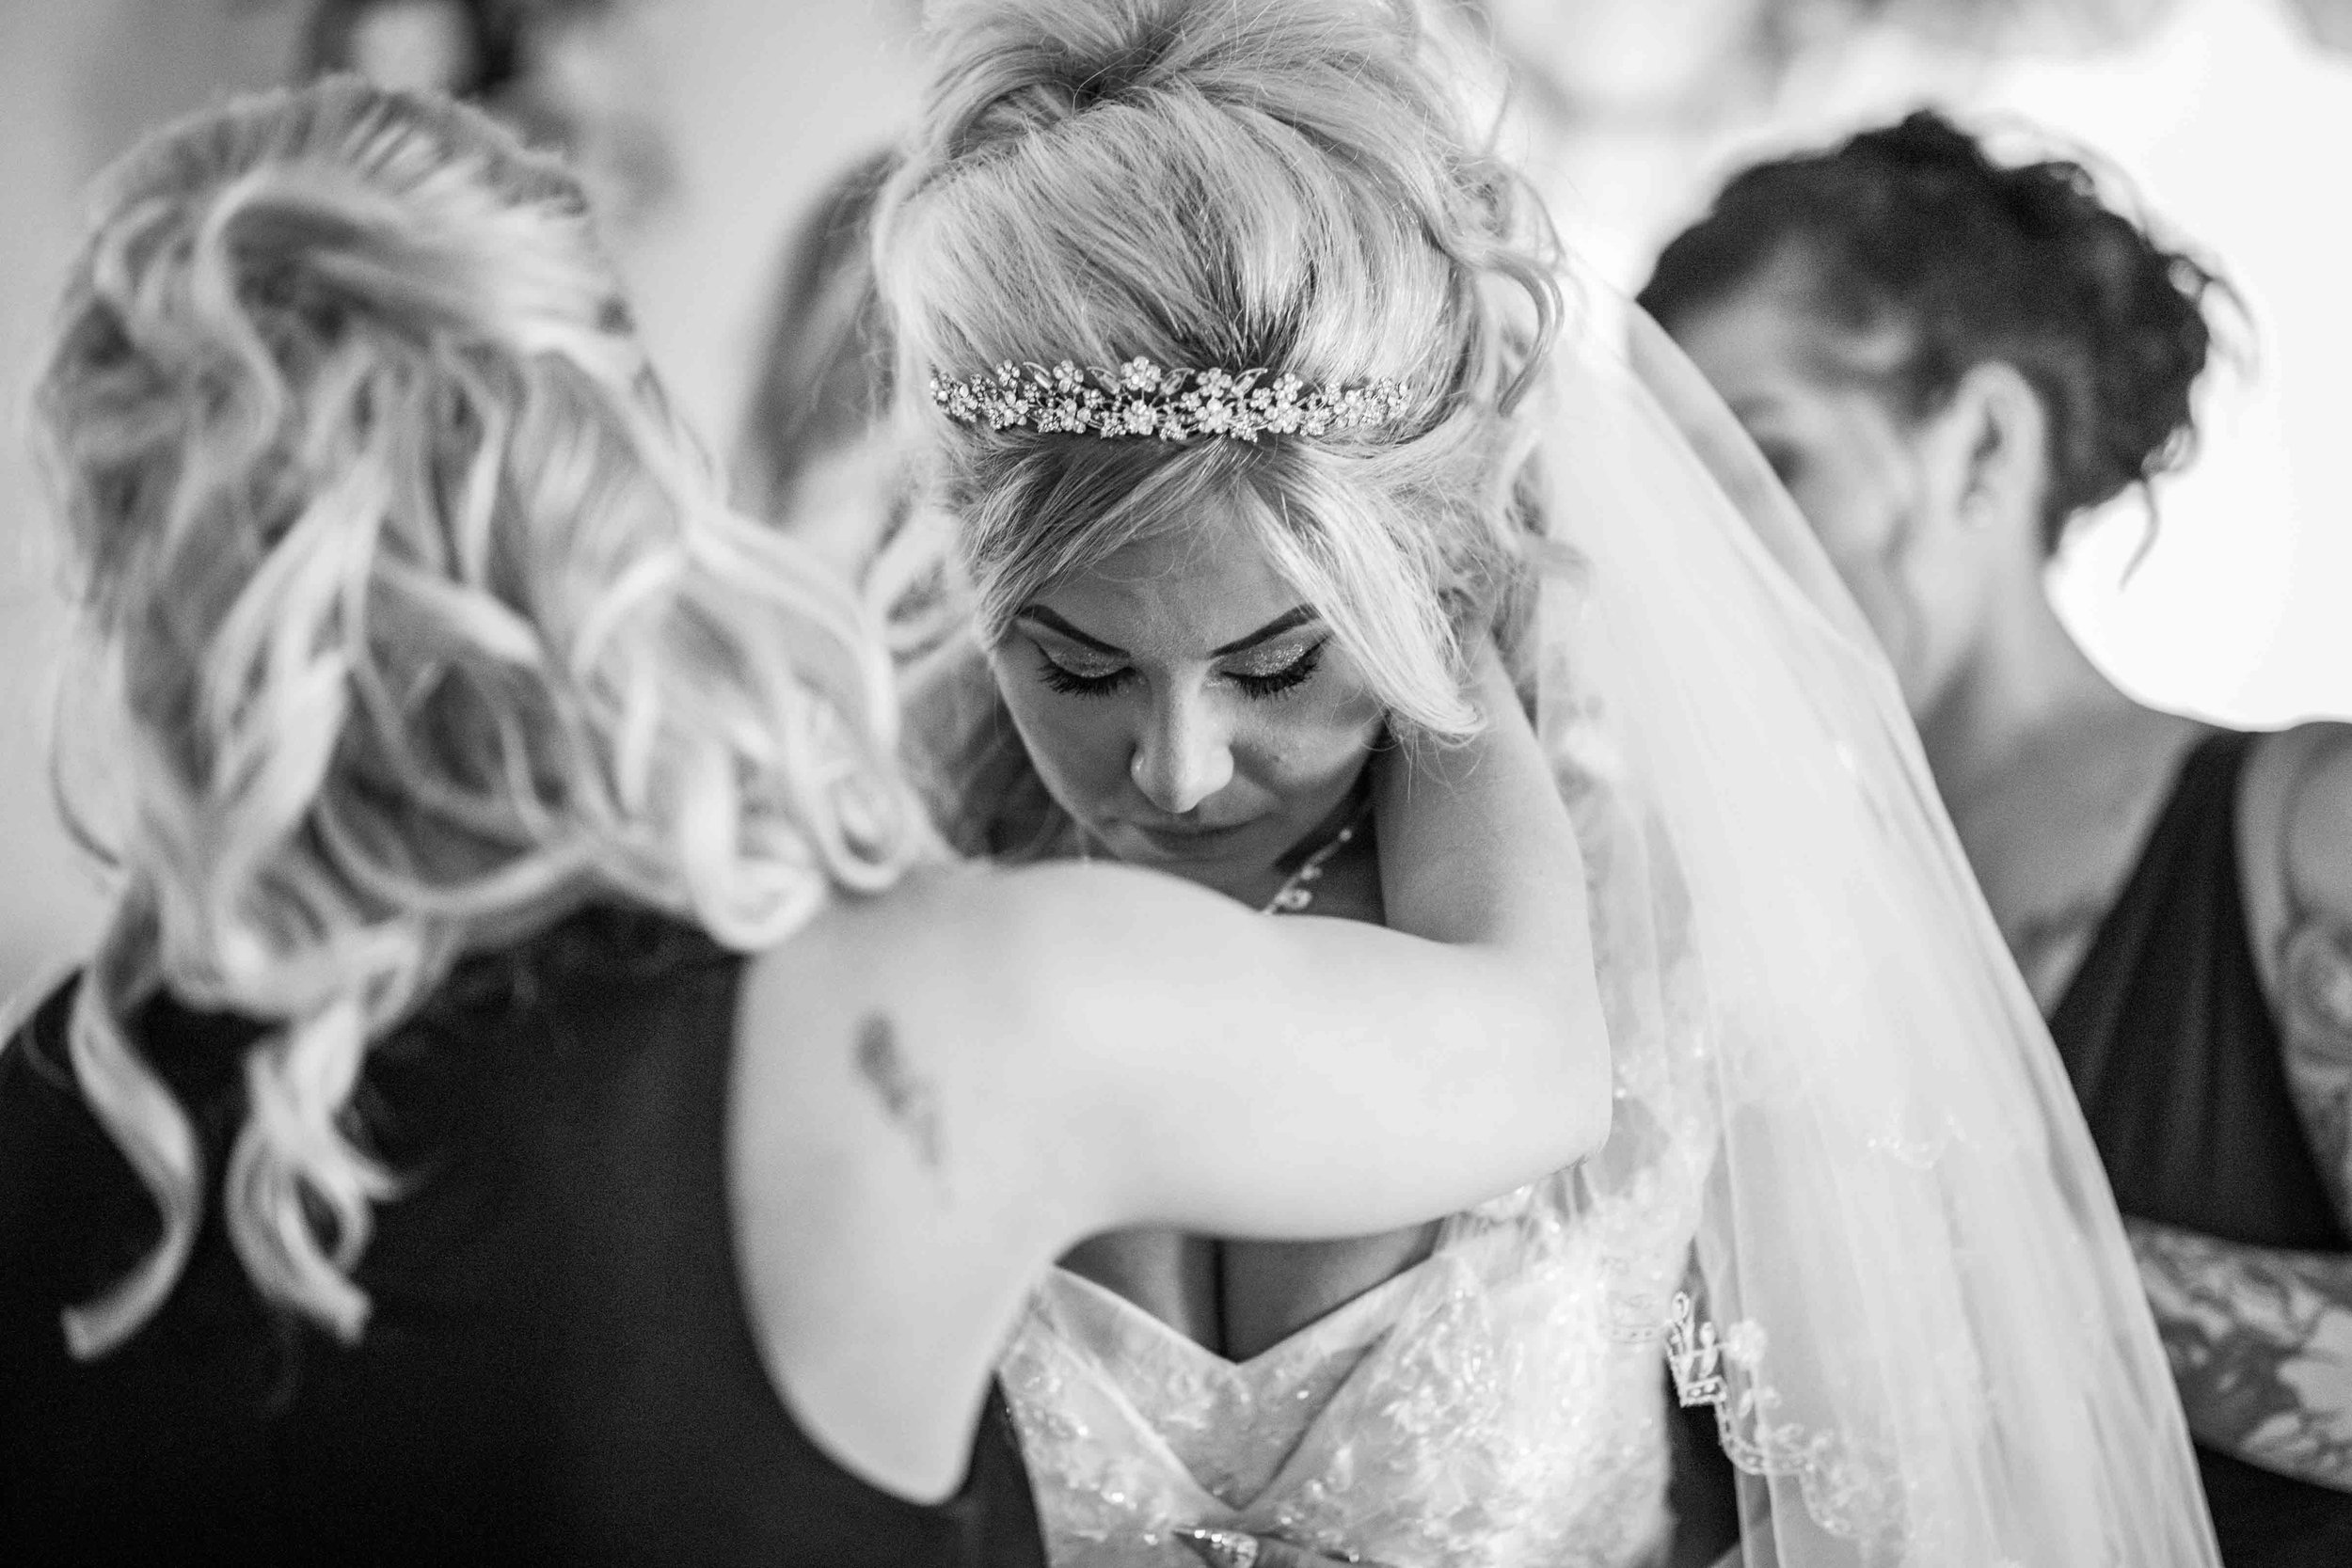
point(1184, 755)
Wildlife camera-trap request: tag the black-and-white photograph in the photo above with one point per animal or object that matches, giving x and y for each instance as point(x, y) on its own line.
point(1130, 784)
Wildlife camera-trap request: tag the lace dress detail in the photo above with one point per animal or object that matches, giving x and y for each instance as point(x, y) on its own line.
point(1485, 1407)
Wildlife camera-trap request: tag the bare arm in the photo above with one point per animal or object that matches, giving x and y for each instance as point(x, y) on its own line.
point(2311, 973)
point(1475, 846)
point(2261, 1339)
point(2260, 1345)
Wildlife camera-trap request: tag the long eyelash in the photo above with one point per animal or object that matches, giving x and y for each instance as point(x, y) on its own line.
point(1070, 684)
point(1297, 672)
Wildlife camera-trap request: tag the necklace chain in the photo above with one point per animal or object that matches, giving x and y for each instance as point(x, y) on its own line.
point(1298, 889)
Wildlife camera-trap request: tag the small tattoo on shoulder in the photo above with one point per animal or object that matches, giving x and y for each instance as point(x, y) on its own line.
point(908, 1098)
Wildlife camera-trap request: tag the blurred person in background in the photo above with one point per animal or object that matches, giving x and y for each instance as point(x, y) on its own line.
point(468, 49)
point(815, 453)
point(566, 75)
point(1950, 362)
point(542, 1094)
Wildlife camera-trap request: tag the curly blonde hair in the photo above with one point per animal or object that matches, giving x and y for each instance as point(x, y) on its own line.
point(1229, 184)
point(422, 623)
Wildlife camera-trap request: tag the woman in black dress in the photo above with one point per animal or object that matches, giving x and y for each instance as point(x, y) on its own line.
point(542, 1095)
point(1948, 361)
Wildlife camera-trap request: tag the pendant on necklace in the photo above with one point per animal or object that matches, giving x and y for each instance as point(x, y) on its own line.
point(1298, 891)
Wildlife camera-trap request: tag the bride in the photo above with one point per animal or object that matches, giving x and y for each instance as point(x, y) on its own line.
point(1248, 398)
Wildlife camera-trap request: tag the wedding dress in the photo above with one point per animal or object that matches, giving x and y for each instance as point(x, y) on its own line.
point(1839, 1119)
point(1433, 1420)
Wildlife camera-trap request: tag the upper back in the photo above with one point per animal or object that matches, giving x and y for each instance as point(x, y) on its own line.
point(559, 1364)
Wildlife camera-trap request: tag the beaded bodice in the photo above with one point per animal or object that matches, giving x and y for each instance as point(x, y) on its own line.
point(1481, 1408)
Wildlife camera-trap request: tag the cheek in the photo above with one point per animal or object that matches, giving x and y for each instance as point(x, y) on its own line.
point(1914, 601)
point(1081, 749)
point(1941, 590)
point(1854, 517)
point(1314, 742)
point(1858, 511)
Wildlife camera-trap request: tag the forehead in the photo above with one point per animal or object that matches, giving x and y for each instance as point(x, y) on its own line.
point(1756, 342)
point(1768, 344)
point(1177, 593)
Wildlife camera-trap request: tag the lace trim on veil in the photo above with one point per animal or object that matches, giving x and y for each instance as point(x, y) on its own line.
point(1839, 1494)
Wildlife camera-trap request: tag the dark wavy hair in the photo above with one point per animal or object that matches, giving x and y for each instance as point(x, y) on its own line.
point(1911, 232)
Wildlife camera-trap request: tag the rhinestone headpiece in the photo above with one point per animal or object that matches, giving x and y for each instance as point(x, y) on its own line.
point(1142, 397)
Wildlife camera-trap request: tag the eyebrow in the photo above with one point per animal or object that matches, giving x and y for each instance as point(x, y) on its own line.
point(1290, 619)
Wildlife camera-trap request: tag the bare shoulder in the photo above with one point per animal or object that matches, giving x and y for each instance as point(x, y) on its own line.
point(942, 1046)
point(2295, 802)
point(2318, 835)
point(987, 970)
point(920, 951)
point(2294, 834)
point(902, 1161)
point(896, 1058)
point(951, 936)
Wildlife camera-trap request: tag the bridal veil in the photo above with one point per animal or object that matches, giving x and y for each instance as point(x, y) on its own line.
point(1910, 1299)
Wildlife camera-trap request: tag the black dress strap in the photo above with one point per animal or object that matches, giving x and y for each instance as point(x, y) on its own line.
point(558, 1367)
point(2168, 1036)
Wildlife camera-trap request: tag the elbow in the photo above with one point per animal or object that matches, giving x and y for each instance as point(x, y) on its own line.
point(1580, 1035)
point(1592, 1113)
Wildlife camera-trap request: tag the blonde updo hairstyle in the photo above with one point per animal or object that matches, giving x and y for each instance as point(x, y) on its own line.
point(421, 623)
point(1229, 184)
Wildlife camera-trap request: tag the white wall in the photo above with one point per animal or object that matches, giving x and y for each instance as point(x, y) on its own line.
point(2235, 133)
point(769, 100)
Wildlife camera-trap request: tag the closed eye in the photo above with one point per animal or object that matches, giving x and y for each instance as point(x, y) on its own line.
point(1257, 685)
point(1072, 683)
point(1287, 677)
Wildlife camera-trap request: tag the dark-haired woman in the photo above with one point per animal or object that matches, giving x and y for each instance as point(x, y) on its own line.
point(1948, 361)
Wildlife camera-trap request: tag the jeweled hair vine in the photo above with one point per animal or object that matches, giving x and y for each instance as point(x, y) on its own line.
point(1295, 187)
point(422, 622)
point(1164, 401)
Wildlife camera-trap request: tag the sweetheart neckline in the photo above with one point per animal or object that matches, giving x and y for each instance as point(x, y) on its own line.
point(1318, 1331)
point(1352, 1332)
point(1116, 1412)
